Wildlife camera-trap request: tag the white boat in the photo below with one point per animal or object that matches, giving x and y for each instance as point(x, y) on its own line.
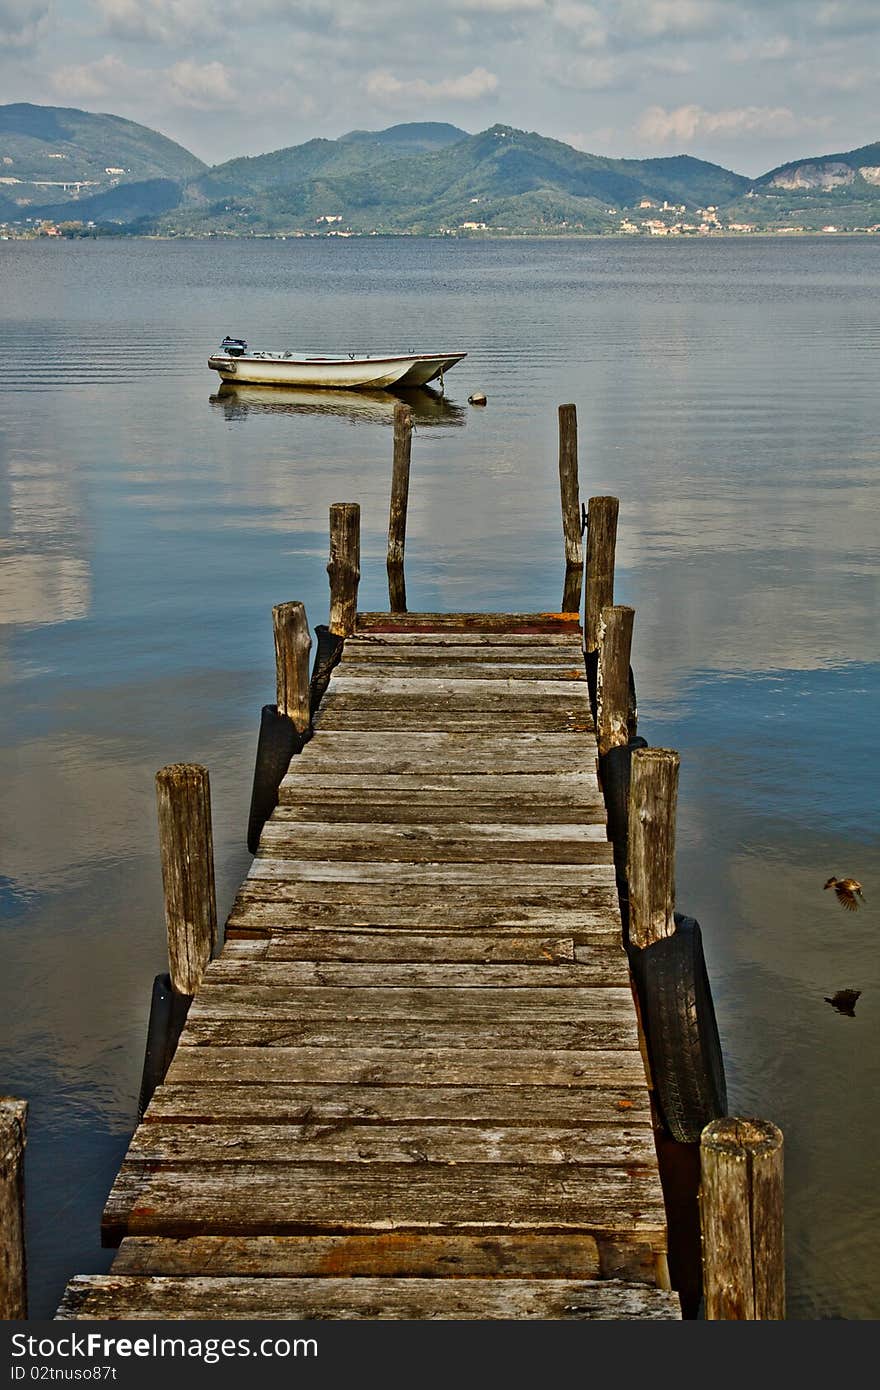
point(353, 371)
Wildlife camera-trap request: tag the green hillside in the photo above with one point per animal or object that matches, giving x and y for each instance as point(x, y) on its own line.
point(63, 144)
point(62, 164)
point(508, 179)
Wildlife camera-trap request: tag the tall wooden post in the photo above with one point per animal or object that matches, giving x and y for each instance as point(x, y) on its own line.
point(344, 566)
point(612, 683)
point(601, 543)
point(741, 1218)
point(399, 501)
point(653, 796)
point(571, 507)
point(186, 846)
point(292, 646)
point(13, 1264)
point(568, 485)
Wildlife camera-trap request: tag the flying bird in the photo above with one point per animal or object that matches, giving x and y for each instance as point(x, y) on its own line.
point(848, 891)
point(844, 1001)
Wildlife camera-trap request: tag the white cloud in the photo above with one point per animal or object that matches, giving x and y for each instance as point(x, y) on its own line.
point(156, 21)
point(201, 87)
point(204, 86)
point(582, 23)
point(391, 90)
point(23, 22)
point(499, 6)
point(92, 81)
point(656, 19)
point(685, 124)
point(585, 74)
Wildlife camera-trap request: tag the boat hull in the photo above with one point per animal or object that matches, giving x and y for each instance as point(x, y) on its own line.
point(347, 373)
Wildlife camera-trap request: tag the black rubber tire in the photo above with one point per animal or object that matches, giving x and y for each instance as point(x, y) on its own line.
point(678, 1018)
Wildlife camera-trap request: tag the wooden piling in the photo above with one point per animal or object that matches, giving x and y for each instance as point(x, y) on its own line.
point(187, 851)
point(344, 566)
point(612, 683)
point(741, 1217)
point(571, 509)
point(653, 795)
point(601, 543)
point(568, 486)
point(292, 646)
point(13, 1264)
point(399, 501)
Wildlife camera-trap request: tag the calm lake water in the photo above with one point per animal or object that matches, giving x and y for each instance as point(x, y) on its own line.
point(727, 392)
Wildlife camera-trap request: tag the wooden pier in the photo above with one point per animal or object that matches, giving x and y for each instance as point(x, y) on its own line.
point(411, 1084)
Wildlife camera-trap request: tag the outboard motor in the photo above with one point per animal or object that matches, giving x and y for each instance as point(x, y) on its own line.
point(234, 347)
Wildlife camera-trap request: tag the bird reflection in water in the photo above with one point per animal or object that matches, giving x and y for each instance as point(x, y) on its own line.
point(429, 407)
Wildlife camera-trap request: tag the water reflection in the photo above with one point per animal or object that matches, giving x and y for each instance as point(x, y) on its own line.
point(429, 407)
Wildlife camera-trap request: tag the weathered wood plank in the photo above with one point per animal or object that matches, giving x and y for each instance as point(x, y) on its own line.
point(448, 948)
point(363, 642)
point(422, 658)
point(511, 723)
point(592, 1146)
point(396, 808)
point(359, 831)
point(573, 787)
point(288, 1198)
point(450, 1066)
point(474, 622)
point(482, 876)
point(286, 1101)
point(287, 838)
point(366, 690)
point(487, 670)
point(389, 1255)
point(542, 983)
point(276, 907)
point(528, 1034)
point(110, 1296)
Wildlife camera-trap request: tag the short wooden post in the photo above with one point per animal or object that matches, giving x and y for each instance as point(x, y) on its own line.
point(187, 851)
point(292, 646)
point(601, 543)
point(13, 1264)
point(568, 486)
point(399, 500)
point(612, 683)
point(653, 795)
point(741, 1220)
point(344, 566)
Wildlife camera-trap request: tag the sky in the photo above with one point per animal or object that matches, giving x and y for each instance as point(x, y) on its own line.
point(746, 83)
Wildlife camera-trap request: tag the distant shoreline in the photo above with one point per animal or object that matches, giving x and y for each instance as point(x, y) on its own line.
point(784, 234)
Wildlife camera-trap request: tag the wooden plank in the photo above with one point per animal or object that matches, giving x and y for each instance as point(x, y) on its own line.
point(363, 642)
point(448, 948)
point(99, 1296)
point(281, 839)
point(474, 622)
point(441, 671)
point(286, 1101)
point(288, 1198)
point(592, 1146)
point(543, 983)
point(396, 808)
point(287, 824)
point(511, 723)
point(279, 907)
point(423, 658)
point(449, 1066)
point(482, 876)
point(389, 1255)
point(395, 692)
point(573, 787)
point(371, 1035)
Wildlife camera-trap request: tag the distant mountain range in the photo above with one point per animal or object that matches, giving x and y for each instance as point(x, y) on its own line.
point(65, 165)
